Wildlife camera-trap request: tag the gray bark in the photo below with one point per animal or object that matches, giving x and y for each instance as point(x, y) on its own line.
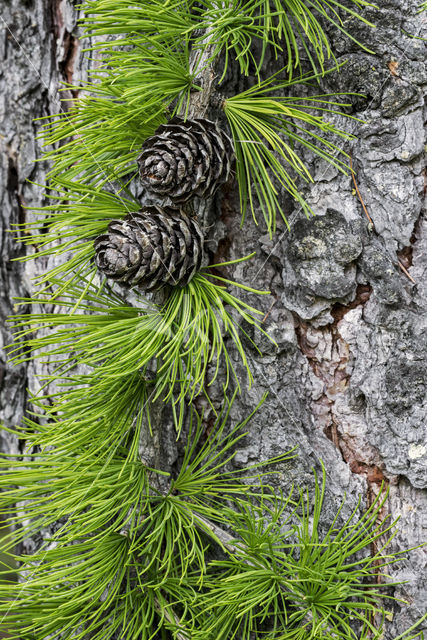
point(347, 383)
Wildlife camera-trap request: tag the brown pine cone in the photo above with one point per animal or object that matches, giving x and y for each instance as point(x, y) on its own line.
point(150, 248)
point(184, 159)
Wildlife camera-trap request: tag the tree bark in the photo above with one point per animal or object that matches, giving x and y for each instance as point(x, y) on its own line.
point(348, 382)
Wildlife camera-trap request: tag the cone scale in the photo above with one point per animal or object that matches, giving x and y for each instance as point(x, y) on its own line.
point(151, 248)
point(185, 158)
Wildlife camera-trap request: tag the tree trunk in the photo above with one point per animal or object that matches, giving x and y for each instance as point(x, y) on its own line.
point(347, 295)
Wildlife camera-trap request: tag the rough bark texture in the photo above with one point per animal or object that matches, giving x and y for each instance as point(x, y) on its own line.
point(348, 382)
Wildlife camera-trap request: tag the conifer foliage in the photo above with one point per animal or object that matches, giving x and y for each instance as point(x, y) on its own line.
point(131, 552)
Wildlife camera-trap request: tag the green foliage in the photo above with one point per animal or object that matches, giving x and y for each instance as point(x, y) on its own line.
point(128, 97)
point(294, 582)
point(178, 340)
point(145, 76)
point(231, 26)
point(294, 25)
point(101, 139)
point(286, 26)
point(92, 415)
point(133, 556)
point(124, 549)
point(153, 20)
point(97, 496)
point(84, 590)
point(66, 229)
point(265, 128)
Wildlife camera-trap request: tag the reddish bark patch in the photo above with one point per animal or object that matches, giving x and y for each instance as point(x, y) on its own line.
point(363, 293)
point(67, 64)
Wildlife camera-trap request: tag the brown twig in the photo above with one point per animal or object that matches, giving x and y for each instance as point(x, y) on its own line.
point(406, 272)
point(269, 311)
point(359, 195)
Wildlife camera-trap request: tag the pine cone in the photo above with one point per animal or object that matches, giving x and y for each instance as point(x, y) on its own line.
point(150, 248)
point(184, 159)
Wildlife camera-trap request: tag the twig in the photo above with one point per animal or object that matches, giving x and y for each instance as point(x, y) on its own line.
point(226, 541)
point(269, 311)
point(406, 272)
point(225, 538)
point(170, 617)
point(359, 195)
point(200, 101)
point(198, 107)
